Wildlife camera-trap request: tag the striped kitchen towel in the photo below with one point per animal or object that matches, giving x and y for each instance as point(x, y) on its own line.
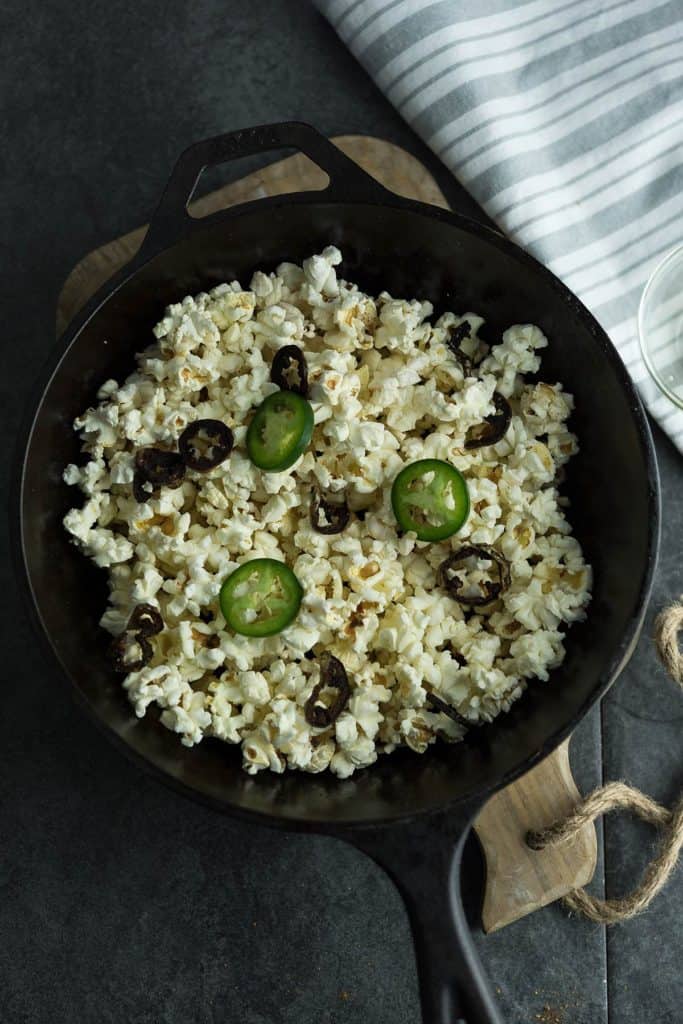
point(563, 118)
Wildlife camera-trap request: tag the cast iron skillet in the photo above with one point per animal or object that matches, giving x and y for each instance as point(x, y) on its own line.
point(410, 813)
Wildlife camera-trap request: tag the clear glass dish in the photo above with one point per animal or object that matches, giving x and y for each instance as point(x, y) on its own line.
point(660, 326)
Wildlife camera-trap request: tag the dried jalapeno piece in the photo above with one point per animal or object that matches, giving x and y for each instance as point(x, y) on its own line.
point(492, 428)
point(328, 516)
point(146, 620)
point(488, 590)
point(159, 467)
point(205, 444)
point(440, 706)
point(332, 677)
point(454, 340)
point(289, 370)
point(143, 490)
point(457, 656)
point(129, 652)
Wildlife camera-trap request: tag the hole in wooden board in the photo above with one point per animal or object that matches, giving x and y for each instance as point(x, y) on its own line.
point(288, 171)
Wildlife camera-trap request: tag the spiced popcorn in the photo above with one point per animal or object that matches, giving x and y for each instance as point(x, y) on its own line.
point(386, 388)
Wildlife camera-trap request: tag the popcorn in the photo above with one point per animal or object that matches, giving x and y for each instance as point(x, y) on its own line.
point(402, 324)
point(259, 752)
point(537, 652)
point(386, 390)
point(189, 718)
point(147, 584)
point(514, 356)
point(318, 271)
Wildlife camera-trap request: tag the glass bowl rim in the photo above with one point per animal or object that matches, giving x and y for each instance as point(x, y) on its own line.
point(661, 267)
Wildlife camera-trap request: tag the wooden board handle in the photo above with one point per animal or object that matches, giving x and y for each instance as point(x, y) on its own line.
point(519, 879)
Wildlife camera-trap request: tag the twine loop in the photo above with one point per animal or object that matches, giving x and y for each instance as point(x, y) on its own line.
point(668, 625)
point(620, 796)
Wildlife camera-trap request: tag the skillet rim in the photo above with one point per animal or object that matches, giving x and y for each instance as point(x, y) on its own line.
point(146, 254)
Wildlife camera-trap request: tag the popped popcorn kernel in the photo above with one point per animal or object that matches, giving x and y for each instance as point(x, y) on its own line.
point(388, 385)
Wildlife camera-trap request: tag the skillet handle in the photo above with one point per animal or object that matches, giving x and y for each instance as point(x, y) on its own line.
point(423, 860)
point(171, 221)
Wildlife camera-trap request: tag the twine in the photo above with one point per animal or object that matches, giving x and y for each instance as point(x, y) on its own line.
point(620, 796)
point(667, 627)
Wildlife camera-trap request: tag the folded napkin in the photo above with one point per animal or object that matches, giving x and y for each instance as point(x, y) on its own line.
point(563, 119)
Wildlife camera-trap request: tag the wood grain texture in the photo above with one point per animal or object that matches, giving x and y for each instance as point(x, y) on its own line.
point(518, 879)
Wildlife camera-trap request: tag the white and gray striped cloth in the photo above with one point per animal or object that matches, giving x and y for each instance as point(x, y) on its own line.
point(563, 118)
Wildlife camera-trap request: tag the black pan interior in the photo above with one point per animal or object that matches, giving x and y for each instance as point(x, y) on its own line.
point(410, 252)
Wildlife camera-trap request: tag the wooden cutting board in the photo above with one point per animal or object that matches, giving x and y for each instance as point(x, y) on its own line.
point(518, 880)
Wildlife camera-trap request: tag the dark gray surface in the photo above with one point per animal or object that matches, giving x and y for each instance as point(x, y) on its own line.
point(121, 902)
point(642, 744)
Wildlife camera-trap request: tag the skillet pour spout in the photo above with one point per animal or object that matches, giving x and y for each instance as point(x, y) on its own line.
point(409, 812)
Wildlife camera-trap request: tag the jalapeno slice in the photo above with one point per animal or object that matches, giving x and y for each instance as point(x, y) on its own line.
point(204, 444)
point(430, 499)
point(280, 431)
point(441, 707)
point(454, 340)
point(129, 652)
point(332, 677)
point(289, 370)
point(488, 590)
point(154, 468)
point(261, 597)
point(493, 428)
point(328, 516)
point(160, 467)
point(146, 620)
